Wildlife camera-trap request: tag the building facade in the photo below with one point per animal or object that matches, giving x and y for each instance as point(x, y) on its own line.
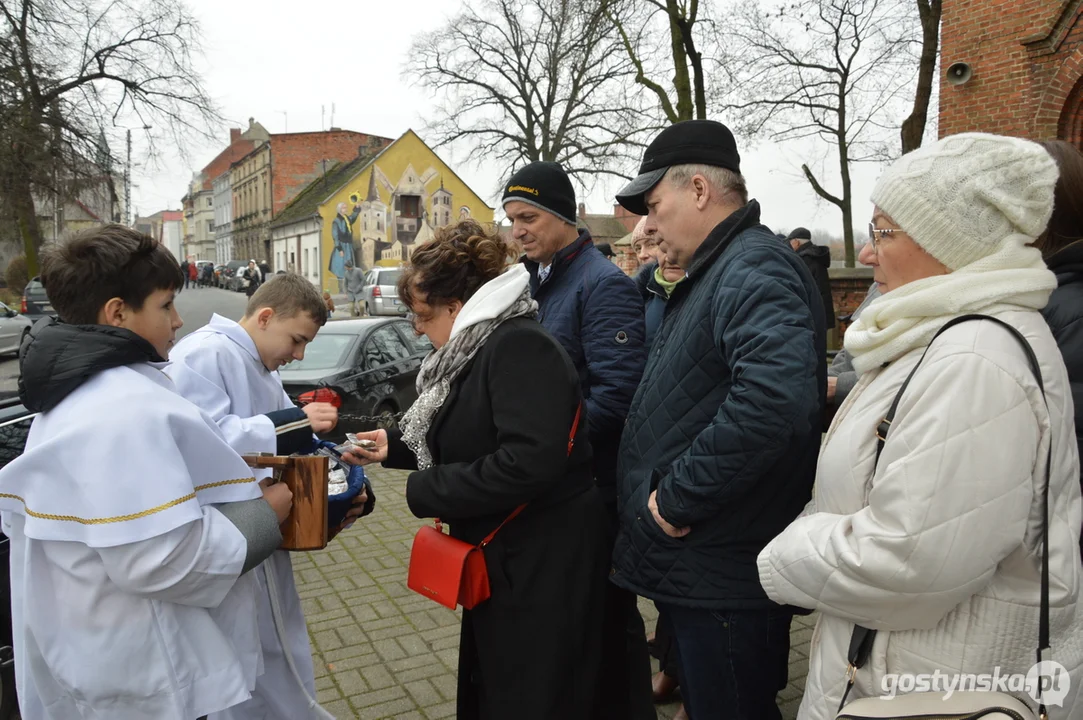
point(199, 225)
point(222, 192)
point(1023, 73)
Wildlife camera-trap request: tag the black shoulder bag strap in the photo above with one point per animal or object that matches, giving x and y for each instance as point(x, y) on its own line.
point(862, 638)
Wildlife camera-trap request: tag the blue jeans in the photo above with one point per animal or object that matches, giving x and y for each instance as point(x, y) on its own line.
point(733, 662)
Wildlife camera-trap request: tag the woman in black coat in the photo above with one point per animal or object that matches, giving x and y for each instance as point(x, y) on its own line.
point(490, 431)
point(1062, 247)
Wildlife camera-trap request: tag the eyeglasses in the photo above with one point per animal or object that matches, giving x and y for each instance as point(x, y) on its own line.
point(877, 235)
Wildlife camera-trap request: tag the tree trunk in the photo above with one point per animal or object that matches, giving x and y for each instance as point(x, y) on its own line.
point(682, 83)
point(696, 58)
point(913, 128)
point(26, 218)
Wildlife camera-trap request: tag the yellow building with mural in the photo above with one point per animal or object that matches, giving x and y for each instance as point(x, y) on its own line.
point(373, 211)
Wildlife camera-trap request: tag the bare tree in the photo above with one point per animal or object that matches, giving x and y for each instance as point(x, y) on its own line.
point(72, 72)
point(829, 70)
point(689, 96)
point(913, 127)
point(528, 80)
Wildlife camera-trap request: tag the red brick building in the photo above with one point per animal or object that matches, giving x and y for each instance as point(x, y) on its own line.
point(1026, 63)
point(266, 179)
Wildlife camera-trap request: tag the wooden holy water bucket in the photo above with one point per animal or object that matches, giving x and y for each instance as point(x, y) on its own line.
point(306, 526)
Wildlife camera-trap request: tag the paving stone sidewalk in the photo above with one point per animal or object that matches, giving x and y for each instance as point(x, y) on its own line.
point(382, 651)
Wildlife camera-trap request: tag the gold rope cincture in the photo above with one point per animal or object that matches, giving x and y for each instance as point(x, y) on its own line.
point(133, 516)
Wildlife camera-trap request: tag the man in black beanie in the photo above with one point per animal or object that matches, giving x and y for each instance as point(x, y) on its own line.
point(818, 260)
point(596, 313)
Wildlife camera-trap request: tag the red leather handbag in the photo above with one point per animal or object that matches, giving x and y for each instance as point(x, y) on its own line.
point(453, 572)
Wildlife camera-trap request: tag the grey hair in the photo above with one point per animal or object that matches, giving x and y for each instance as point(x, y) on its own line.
point(721, 179)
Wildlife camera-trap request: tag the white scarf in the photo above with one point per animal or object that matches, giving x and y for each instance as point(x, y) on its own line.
point(504, 297)
point(1012, 278)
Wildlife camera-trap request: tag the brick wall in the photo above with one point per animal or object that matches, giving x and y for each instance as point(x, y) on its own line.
point(296, 158)
point(848, 289)
point(1027, 59)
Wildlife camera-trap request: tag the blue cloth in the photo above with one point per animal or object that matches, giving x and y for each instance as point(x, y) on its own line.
point(726, 424)
point(342, 235)
point(595, 312)
point(733, 662)
point(356, 481)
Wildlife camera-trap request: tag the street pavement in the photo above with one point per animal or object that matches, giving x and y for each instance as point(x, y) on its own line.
point(379, 649)
point(382, 651)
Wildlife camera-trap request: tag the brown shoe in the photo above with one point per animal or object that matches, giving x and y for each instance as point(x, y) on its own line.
point(680, 714)
point(662, 687)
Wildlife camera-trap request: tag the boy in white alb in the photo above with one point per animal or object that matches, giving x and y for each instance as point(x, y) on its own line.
point(230, 370)
point(131, 519)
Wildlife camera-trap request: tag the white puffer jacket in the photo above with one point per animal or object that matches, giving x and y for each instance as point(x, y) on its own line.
point(940, 549)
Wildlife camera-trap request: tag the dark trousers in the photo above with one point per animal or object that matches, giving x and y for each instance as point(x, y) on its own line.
point(664, 649)
point(733, 662)
point(624, 683)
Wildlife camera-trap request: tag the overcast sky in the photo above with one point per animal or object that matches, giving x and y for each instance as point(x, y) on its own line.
point(281, 61)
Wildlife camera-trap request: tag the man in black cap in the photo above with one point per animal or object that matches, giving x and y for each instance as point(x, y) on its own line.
point(720, 448)
point(595, 311)
point(818, 261)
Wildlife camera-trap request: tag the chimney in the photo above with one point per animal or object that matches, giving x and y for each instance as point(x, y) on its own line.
point(582, 209)
point(234, 135)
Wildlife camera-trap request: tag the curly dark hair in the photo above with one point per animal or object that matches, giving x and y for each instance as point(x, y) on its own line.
point(454, 264)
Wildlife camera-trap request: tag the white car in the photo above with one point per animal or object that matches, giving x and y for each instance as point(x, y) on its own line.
point(13, 328)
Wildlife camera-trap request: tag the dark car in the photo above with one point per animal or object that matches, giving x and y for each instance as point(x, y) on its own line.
point(230, 276)
point(366, 366)
point(35, 303)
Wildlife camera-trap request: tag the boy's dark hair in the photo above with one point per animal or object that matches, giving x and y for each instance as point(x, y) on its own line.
point(289, 294)
point(80, 276)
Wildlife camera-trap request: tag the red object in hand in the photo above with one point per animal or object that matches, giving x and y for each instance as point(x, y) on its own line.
point(324, 395)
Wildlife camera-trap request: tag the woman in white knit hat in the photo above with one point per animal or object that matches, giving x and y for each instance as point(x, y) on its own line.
point(937, 543)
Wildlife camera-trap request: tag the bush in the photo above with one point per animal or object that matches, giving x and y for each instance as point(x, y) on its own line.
point(16, 275)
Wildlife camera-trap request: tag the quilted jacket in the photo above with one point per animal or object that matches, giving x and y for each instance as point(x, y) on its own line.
point(595, 311)
point(939, 549)
point(726, 424)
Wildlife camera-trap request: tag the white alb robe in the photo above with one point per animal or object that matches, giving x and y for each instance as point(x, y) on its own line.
point(219, 369)
point(127, 598)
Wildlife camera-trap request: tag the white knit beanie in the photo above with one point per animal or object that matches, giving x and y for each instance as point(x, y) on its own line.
point(962, 197)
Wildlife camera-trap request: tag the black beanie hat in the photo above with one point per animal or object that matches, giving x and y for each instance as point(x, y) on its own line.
point(799, 234)
point(544, 185)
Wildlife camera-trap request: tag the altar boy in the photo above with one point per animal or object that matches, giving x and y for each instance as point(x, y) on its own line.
point(131, 519)
point(230, 370)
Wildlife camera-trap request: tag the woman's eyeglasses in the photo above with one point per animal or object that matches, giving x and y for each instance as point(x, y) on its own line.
point(877, 235)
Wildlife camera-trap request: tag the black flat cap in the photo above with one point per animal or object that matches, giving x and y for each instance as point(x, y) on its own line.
point(692, 142)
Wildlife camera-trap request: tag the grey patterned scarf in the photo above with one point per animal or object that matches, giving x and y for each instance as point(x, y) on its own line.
point(442, 366)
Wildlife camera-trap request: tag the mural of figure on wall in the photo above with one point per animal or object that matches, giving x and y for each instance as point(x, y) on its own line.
point(342, 234)
point(464, 213)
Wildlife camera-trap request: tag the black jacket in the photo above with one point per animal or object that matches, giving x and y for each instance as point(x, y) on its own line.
point(726, 424)
point(501, 439)
point(818, 260)
point(56, 359)
point(1064, 314)
point(595, 312)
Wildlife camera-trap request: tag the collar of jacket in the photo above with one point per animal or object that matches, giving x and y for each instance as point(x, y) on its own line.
point(722, 235)
point(1067, 262)
point(562, 259)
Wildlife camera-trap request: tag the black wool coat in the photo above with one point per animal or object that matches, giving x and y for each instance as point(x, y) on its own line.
point(499, 440)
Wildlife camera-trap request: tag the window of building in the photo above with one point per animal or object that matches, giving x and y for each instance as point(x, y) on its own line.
point(210, 227)
point(210, 202)
point(304, 267)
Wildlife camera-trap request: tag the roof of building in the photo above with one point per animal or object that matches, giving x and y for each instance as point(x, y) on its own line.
point(603, 228)
point(307, 203)
point(320, 190)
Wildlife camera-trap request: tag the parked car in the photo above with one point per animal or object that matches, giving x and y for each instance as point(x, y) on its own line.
point(380, 294)
point(35, 303)
point(365, 366)
point(13, 328)
point(231, 275)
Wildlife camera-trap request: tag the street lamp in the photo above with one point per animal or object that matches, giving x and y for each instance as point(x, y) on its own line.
point(128, 180)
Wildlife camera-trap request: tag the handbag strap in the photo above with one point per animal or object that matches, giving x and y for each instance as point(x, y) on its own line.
point(862, 637)
point(571, 444)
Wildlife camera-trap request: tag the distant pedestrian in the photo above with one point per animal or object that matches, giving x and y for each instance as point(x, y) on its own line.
point(253, 278)
point(354, 281)
point(818, 259)
point(184, 274)
point(329, 303)
point(192, 276)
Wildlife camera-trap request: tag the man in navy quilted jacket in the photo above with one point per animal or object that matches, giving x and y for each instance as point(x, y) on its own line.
point(595, 311)
point(719, 452)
